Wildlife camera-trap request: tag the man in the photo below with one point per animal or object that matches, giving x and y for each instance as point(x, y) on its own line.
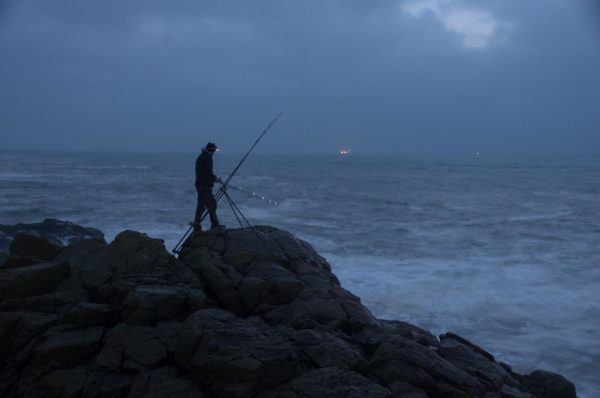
point(205, 179)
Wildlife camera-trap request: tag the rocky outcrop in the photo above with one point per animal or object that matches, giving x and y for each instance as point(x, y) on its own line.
point(56, 232)
point(240, 313)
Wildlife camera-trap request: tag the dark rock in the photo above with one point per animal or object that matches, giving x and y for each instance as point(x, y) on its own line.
point(68, 348)
point(233, 356)
point(373, 335)
point(34, 246)
point(19, 261)
point(329, 383)
point(550, 385)
point(167, 381)
point(132, 347)
point(51, 303)
point(147, 305)
point(92, 314)
point(234, 316)
point(65, 383)
point(3, 257)
point(108, 273)
point(323, 349)
point(471, 359)
point(277, 277)
point(400, 359)
point(60, 233)
point(32, 280)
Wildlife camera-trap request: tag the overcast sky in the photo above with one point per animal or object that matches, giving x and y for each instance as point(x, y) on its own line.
point(407, 77)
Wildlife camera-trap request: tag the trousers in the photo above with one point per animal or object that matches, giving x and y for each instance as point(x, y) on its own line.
point(206, 200)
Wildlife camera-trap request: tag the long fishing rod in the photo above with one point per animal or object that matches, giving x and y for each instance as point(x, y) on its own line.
point(251, 148)
point(223, 188)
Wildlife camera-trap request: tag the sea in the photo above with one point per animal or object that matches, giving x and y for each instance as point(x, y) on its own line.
point(503, 251)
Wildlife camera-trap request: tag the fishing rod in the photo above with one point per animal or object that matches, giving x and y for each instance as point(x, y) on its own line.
point(223, 189)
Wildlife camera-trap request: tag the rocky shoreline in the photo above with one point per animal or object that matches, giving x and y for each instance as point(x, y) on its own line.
point(234, 315)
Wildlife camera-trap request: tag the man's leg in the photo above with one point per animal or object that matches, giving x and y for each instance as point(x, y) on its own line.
point(200, 206)
point(211, 205)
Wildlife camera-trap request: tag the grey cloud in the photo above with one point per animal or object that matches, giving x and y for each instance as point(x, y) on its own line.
point(152, 75)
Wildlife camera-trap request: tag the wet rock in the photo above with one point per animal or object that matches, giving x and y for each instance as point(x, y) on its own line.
point(550, 385)
point(60, 233)
point(32, 280)
point(34, 246)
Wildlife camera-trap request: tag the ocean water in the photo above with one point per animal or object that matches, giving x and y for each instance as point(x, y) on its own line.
point(505, 252)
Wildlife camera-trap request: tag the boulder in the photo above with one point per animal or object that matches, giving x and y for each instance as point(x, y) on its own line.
point(34, 246)
point(550, 385)
point(31, 280)
point(57, 232)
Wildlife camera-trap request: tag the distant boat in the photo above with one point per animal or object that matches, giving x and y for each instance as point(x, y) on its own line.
point(344, 151)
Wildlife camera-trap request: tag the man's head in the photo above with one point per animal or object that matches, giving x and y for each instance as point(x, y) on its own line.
point(211, 147)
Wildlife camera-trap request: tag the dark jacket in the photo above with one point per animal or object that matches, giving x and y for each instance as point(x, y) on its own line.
point(204, 170)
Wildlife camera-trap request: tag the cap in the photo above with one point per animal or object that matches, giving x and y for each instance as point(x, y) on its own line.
point(211, 146)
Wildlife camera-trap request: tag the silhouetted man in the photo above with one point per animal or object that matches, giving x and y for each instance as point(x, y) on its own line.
point(205, 179)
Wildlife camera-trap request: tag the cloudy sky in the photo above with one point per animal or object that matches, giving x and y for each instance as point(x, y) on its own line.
point(454, 77)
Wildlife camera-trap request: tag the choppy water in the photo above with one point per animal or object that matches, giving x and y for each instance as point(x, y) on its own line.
point(503, 252)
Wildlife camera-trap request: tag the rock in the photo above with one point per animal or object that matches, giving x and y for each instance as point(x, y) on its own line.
point(92, 314)
point(147, 305)
point(400, 359)
point(66, 383)
point(68, 348)
point(373, 335)
point(167, 381)
point(34, 246)
point(60, 233)
point(3, 257)
point(108, 273)
point(473, 360)
point(233, 356)
point(234, 316)
point(550, 385)
point(329, 383)
point(132, 347)
point(324, 349)
point(277, 277)
point(32, 280)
